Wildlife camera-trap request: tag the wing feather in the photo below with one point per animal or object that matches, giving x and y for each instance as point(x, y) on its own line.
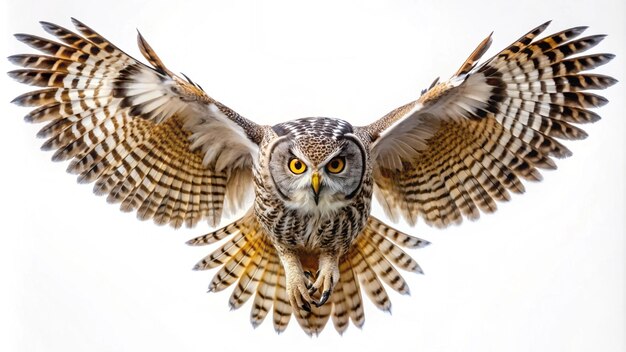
point(467, 142)
point(153, 141)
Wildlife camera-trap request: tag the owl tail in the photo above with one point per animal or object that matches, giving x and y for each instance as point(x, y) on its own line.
point(250, 259)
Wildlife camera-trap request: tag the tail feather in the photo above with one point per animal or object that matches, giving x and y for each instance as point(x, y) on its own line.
point(340, 314)
point(370, 283)
point(265, 292)
point(218, 235)
point(282, 308)
point(400, 238)
point(234, 268)
point(313, 322)
point(249, 257)
point(249, 281)
point(380, 238)
point(381, 266)
point(352, 291)
point(221, 256)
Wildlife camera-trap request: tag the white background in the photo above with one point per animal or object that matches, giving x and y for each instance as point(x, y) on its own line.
point(545, 273)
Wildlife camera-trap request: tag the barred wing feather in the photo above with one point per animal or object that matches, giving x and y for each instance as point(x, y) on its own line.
point(467, 142)
point(152, 141)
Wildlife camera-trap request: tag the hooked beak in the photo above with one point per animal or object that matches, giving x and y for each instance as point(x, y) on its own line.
point(315, 184)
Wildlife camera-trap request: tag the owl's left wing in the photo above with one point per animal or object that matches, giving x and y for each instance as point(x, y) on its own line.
point(466, 142)
point(152, 141)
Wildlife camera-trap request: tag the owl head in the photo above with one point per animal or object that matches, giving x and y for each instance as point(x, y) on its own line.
point(317, 165)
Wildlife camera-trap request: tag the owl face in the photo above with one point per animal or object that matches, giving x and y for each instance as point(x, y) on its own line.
point(317, 175)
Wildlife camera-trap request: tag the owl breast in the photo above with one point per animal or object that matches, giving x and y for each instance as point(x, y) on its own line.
point(313, 231)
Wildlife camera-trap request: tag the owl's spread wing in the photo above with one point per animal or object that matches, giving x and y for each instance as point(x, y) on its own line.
point(467, 142)
point(151, 140)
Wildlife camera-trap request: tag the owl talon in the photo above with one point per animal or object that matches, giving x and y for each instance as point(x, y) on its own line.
point(309, 281)
point(325, 297)
point(327, 278)
point(298, 292)
point(299, 298)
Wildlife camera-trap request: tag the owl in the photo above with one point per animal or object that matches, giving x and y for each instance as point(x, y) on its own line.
point(307, 245)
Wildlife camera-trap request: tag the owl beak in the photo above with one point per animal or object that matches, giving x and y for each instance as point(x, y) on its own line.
point(315, 184)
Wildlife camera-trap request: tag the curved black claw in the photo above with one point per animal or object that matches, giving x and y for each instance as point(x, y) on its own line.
point(307, 307)
point(324, 298)
point(326, 279)
point(309, 280)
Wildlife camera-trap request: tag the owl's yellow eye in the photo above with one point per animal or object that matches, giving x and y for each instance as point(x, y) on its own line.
point(296, 166)
point(336, 165)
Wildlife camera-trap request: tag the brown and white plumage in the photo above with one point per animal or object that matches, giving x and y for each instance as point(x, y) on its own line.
point(160, 146)
point(467, 142)
point(139, 132)
point(249, 260)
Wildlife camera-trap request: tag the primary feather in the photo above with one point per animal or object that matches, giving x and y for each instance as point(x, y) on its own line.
point(134, 129)
point(467, 142)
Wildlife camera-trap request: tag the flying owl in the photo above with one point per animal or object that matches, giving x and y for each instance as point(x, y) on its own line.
point(307, 246)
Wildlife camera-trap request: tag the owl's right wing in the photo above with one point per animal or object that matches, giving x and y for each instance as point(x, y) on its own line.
point(467, 142)
point(152, 141)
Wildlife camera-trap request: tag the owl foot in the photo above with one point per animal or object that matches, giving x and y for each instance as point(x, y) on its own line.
point(298, 291)
point(327, 278)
